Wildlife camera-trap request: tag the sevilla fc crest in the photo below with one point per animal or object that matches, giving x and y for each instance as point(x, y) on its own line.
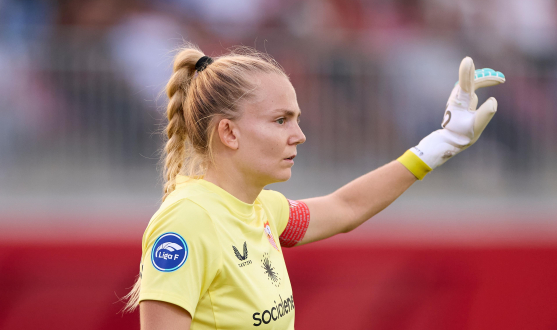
point(269, 235)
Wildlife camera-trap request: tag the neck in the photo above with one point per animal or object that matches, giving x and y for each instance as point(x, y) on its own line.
point(234, 183)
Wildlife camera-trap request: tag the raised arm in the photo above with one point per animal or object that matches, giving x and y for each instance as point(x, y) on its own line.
point(364, 197)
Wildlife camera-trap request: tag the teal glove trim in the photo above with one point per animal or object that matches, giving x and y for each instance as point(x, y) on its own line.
point(486, 72)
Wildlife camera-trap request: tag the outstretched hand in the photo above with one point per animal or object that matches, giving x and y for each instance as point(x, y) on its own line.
point(462, 124)
point(461, 106)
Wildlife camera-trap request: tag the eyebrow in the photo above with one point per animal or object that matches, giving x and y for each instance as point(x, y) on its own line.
point(287, 112)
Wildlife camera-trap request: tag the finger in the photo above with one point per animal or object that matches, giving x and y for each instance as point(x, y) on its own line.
point(473, 102)
point(483, 116)
point(466, 75)
point(487, 77)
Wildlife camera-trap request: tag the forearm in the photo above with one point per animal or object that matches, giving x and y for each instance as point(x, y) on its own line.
point(356, 202)
point(371, 193)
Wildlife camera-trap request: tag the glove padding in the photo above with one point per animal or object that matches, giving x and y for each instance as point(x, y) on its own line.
point(462, 124)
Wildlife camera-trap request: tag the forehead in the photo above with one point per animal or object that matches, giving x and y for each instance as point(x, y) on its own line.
point(272, 92)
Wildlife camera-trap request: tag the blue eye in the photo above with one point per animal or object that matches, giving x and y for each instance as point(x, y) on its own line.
point(280, 121)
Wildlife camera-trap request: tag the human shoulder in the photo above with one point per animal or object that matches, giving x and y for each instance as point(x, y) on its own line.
point(271, 197)
point(181, 214)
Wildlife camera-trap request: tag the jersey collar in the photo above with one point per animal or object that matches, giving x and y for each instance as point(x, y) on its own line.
point(242, 209)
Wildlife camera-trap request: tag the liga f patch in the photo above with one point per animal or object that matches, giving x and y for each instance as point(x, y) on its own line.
point(169, 253)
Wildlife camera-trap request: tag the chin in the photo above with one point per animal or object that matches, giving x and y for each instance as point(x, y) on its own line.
point(282, 176)
point(286, 175)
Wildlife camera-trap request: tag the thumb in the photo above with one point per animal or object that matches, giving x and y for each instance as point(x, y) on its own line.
point(483, 116)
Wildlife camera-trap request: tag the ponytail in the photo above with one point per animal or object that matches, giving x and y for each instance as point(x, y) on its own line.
point(176, 148)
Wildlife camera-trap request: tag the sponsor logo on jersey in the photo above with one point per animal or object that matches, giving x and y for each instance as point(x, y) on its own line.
point(274, 313)
point(269, 270)
point(169, 253)
point(242, 257)
point(269, 233)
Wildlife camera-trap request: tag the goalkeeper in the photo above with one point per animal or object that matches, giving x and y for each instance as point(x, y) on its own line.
point(212, 253)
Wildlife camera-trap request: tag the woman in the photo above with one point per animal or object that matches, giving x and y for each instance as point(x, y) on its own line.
point(212, 254)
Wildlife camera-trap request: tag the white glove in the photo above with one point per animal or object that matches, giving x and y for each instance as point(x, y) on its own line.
point(462, 124)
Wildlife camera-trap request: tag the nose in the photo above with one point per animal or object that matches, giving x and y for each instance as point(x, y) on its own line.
point(298, 137)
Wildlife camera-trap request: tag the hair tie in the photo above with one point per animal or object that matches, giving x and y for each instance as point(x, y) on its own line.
point(202, 63)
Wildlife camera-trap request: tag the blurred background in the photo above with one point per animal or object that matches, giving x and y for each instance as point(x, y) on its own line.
point(473, 246)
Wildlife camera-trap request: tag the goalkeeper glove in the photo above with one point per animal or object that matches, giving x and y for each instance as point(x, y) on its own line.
point(462, 124)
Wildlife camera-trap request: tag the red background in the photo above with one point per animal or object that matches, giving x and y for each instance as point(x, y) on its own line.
point(345, 283)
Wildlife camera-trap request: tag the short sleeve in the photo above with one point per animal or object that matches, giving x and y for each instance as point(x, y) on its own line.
point(181, 255)
point(291, 217)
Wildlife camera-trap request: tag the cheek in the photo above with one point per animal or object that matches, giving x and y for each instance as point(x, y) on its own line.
point(265, 145)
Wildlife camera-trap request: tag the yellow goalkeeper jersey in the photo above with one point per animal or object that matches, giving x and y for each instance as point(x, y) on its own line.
point(219, 258)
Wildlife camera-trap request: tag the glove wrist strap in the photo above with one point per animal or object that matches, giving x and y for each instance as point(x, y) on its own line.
point(414, 164)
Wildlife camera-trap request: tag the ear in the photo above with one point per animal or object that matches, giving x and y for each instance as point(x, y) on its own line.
point(228, 133)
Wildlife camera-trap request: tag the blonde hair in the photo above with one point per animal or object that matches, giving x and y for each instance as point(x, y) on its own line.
point(197, 100)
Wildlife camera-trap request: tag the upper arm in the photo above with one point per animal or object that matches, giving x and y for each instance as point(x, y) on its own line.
point(329, 216)
point(308, 220)
point(160, 315)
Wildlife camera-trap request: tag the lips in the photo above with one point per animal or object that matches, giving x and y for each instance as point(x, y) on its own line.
point(291, 157)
